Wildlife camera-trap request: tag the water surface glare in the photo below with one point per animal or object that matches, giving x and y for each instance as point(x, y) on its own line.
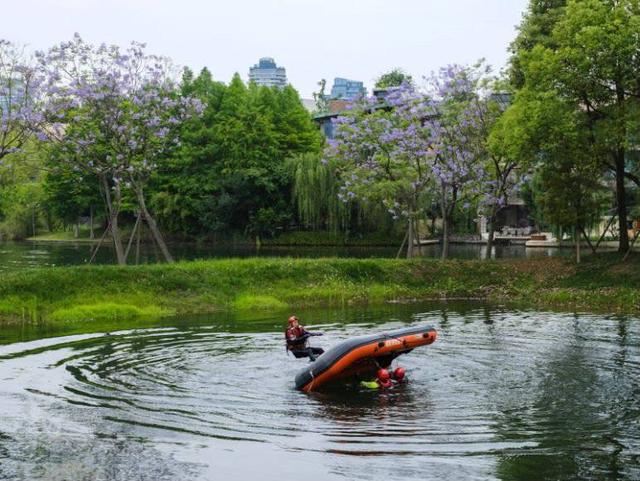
point(501, 395)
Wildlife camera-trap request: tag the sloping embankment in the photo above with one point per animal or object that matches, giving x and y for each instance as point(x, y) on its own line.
point(602, 283)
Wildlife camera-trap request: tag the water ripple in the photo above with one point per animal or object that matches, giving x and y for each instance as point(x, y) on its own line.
point(500, 394)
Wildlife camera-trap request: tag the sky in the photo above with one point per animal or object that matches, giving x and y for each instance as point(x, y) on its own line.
point(312, 39)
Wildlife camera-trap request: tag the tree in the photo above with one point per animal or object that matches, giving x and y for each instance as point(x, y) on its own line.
point(69, 194)
point(113, 115)
point(591, 63)
point(413, 149)
point(456, 139)
point(393, 78)
point(320, 97)
point(506, 161)
point(572, 190)
point(19, 88)
point(536, 29)
point(22, 199)
point(382, 155)
point(231, 172)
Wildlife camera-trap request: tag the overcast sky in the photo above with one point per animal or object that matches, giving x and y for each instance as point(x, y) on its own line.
point(312, 39)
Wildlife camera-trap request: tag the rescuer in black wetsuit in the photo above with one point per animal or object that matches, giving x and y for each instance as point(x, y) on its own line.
point(297, 338)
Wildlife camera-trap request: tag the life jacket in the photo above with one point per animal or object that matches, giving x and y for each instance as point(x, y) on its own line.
point(292, 336)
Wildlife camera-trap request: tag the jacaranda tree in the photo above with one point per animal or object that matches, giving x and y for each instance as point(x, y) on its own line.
point(414, 148)
point(381, 152)
point(19, 87)
point(114, 115)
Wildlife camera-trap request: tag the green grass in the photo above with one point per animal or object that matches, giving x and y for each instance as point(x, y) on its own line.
point(66, 236)
point(92, 293)
point(328, 238)
point(107, 311)
point(258, 303)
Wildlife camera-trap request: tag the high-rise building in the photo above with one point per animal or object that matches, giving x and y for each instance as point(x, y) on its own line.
point(12, 94)
point(267, 73)
point(346, 89)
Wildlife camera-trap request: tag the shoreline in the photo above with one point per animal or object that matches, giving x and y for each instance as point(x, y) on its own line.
point(602, 283)
point(605, 246)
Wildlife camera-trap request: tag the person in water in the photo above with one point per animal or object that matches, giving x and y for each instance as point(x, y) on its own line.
point(398, 374)
point(297, 338)
point(384, 379)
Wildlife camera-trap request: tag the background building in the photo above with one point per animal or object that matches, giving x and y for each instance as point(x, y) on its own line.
point(12, 93)
point(347, 89)
point(267, 73)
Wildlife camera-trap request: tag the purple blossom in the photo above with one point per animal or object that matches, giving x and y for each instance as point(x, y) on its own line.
point(131, 95)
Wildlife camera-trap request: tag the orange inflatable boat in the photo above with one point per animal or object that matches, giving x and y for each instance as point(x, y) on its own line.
point(362, 356)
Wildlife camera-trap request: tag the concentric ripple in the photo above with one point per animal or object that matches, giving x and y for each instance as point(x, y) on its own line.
point(500, 395)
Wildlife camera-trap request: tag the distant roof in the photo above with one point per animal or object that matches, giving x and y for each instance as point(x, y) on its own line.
point(336, 107)
point(309, 104)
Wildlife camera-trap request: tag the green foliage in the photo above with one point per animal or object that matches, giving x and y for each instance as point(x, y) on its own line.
point(577, 112)
point(23, 203)
point(315, 189)
point(536, 29)
point(69, 193)
point(393, 78)
point(548, 134)
point(231, 171)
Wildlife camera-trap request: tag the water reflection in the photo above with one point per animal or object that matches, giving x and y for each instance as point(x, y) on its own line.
point(501, 395)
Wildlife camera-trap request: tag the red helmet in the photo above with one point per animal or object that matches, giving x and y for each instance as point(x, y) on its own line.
point(398, 374)
point(383, 375)
point(293, 319)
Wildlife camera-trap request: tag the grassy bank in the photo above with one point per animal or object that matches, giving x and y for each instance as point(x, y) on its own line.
point(294, 238)
point(601, 283)
point(324, 238)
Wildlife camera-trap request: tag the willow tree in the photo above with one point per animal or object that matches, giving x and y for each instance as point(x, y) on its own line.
point(315, 192)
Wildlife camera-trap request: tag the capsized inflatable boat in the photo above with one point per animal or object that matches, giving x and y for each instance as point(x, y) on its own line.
point(360, 356)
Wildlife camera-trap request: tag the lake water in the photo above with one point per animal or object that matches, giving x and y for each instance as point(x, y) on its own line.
point(501, 395)
point(18, 255)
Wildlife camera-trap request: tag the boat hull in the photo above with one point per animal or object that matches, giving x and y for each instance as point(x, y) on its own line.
point(362, 355)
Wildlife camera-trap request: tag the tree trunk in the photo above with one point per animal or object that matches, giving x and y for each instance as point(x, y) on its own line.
point(76, 230)
point(490, 238)
point(33, 222)
point(586, 237)
point(113, 216)
point(138, 235)
point(623, 245)
point(404, 241)
point(410, 238)
point(153, 226)
point(91, 233)
point(445, 236)
point(117, 241)
point(416, 239)
point(576, 237)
